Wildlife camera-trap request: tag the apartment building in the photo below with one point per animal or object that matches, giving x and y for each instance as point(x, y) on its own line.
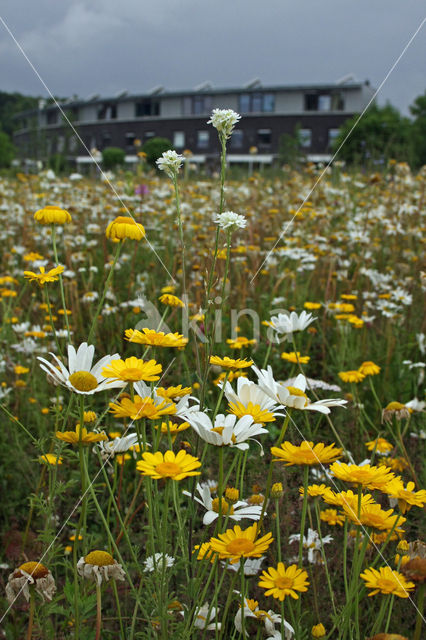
point(267, 112)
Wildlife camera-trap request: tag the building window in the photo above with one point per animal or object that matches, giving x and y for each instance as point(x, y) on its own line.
point(147, 107)
point(130, 138)
point(305, 137)
point(322, 102)
point(106, 140)
point(268, 102)
point(107, 112)
point(237, 139)
point(333, 134)
point(256, 103)
point(179, 139)
point(203, 139)
point(72, 144)
point(264, 137)
point(60, 144)
point(337, 102)
point(52, 117)
point(149, 134)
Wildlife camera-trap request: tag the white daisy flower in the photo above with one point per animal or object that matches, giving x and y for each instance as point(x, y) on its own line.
point(158, 562)
point(252, 566)
point(252, 400)
point(205, 620)
point(291, 322)
point(269, 618)
point(226, 430)
point(81, 376)
point(118, 445)
point(237, 511)
point(293, 396)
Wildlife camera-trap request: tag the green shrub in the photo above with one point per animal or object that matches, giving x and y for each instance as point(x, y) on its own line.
point(154, 148)
point(112, 157)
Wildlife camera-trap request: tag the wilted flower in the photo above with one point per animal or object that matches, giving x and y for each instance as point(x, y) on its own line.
point(28, 574)
point(100, 566)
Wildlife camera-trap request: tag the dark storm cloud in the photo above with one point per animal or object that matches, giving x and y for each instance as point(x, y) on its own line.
point(104, 46)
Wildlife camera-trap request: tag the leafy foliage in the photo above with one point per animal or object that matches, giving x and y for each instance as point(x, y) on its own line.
point(154, 148)
point(112, 157)
point(381, 134)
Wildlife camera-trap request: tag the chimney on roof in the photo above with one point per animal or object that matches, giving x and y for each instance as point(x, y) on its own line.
point(253, 84)
point(204, 86)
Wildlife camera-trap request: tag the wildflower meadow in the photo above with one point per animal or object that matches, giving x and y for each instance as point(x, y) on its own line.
point(212, 402)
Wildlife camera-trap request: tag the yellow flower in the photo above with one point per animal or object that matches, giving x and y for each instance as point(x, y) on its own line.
point(351, 376)
point(19, 370)
point(306, 453)
point(240, 342)
point(50, 459)
point(141, 408)
point(86, 437)
point(230, 363)
point(171, 301)
point(348, 498)
point(156, 338)
point(52, 215)
point(406, 496)
point(380, 445)
point(312, 305)
point(318, 631)
point(315, 490)
point(282, 582)
point(295, 357)
point(175, 466)
point(372, 515)
point(132, 369)
point(236, 543)
point(331, 517)
point(43, 277)
point(368, 368)
point(123, 227)
point(259, 415)
point(387, 581)
point(367, 476)
point(173, 428)
point(173, 392)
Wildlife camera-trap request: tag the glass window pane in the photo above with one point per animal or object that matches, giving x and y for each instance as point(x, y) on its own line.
point(244, 103)
point(237, 139)
point(264, 137)
point(324, 103)
point(269, 102)
point(179, 139)
point(256, 102)
point(305, 136)
point(202, 139)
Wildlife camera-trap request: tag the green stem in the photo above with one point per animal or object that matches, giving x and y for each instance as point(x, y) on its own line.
point(98, 611)
point(101, 301)
point(31, 616)
point(419, 615)
point(61, 282)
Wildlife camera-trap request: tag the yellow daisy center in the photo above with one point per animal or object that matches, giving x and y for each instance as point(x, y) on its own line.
point(283, 582)
point(240, 546)
point(168, 469)
point(83, 381)
point(99, 558)
point(34, 569)
point(226, 507)
point(385, 584)
point(297, 392)
point(132, 374)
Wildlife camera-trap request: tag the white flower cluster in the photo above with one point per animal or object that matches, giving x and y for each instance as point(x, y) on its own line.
point(170, 162)
point(224, 121)
point(230, 220)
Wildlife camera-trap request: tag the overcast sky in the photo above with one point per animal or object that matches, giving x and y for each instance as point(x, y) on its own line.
point(106, 46)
